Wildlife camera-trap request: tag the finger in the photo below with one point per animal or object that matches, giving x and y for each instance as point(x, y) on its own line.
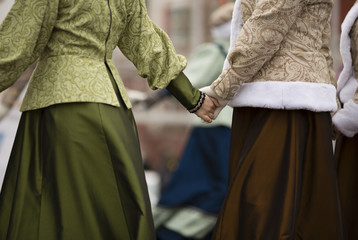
point(215, 101)
point(209, 102)
point(207, 119)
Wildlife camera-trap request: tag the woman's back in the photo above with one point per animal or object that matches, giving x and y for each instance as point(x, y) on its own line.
point(74, 40)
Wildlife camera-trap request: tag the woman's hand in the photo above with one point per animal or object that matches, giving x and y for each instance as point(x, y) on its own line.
point(206, 111)
point(221, 102)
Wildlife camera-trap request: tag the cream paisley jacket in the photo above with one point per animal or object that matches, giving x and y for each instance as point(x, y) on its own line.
point(354, 37)
point(281, 57)
point(74, 41)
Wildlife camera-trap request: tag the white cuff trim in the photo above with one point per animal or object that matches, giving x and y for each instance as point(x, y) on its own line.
point(317, 97)
point(348, 91)
point(346, 119)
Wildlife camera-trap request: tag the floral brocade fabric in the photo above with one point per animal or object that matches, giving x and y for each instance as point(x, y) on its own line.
point(354, 37)
point(281, 40)
point(73, 41)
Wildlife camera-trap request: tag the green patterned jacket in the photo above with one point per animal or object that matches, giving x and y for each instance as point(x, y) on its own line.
point(73, 41)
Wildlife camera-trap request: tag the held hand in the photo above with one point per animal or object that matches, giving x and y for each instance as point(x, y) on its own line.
point(221, 102)
point(206, 111)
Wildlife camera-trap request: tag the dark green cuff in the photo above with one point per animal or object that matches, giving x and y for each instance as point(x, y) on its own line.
point(182, 90)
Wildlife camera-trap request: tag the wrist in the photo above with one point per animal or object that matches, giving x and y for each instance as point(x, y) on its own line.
point(184, 92)
point(199, 103)
point(210, 92)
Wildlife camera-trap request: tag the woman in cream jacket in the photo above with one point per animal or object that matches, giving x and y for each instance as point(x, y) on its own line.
point(280, 81)
point(346, 122)
point(75, 171)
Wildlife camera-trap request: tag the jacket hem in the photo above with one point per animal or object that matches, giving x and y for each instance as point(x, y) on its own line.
point(317, 97)
point(28, 107)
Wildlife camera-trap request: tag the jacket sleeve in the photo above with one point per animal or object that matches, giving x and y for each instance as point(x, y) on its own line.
point(24, 34)
point(259, 39)
point(149, 48)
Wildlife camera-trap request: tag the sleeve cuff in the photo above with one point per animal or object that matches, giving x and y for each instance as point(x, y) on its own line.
point(346, 119)
point(184, 92)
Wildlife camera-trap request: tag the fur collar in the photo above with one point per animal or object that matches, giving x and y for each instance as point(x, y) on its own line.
point(236, 26)
point(345, 47)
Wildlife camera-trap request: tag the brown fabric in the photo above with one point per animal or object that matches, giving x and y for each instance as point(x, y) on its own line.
point(282, 178)
point(346, 155)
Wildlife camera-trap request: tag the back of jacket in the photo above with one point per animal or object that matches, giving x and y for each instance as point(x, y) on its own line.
point(281, 58)
point(74, 41)
point(300, 39)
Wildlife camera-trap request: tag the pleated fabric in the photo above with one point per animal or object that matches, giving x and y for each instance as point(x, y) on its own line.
point(346, 156)
point(75, 172)
point(282, 178)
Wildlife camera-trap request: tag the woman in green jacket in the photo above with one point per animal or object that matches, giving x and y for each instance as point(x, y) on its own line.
point(75, 171)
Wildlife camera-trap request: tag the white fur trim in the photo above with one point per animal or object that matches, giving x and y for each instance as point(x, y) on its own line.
point(348, 91)
point(317, 97)
point(236, 26)
point(346, 119)
point(345, 47)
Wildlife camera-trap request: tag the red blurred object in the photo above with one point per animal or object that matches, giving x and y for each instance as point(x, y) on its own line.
point(221, 2)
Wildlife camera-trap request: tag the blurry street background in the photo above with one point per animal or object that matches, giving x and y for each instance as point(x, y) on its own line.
point(163, 128)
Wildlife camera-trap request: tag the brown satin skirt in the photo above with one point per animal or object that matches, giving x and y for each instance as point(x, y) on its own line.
point(346, 155)
point(283, 182)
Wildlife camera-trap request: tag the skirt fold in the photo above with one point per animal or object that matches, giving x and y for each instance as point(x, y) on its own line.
point(282, 180)
point(76, 173)
point(346, 157)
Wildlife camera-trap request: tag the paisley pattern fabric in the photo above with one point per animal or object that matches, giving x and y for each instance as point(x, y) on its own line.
point(56, 31)
point(354, 37)
point(282, 41)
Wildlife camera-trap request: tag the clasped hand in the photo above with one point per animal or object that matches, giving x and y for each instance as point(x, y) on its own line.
point(206, 111)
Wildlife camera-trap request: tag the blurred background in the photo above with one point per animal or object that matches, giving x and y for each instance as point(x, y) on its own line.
point(163, 128)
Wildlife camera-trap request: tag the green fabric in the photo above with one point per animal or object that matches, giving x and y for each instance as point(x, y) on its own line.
point(206, 63)
point(73, 40)
point(179, 88)
point(76, 172)
point(204, 66)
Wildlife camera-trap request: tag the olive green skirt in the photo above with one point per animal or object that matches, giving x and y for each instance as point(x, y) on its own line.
point(75, 172)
